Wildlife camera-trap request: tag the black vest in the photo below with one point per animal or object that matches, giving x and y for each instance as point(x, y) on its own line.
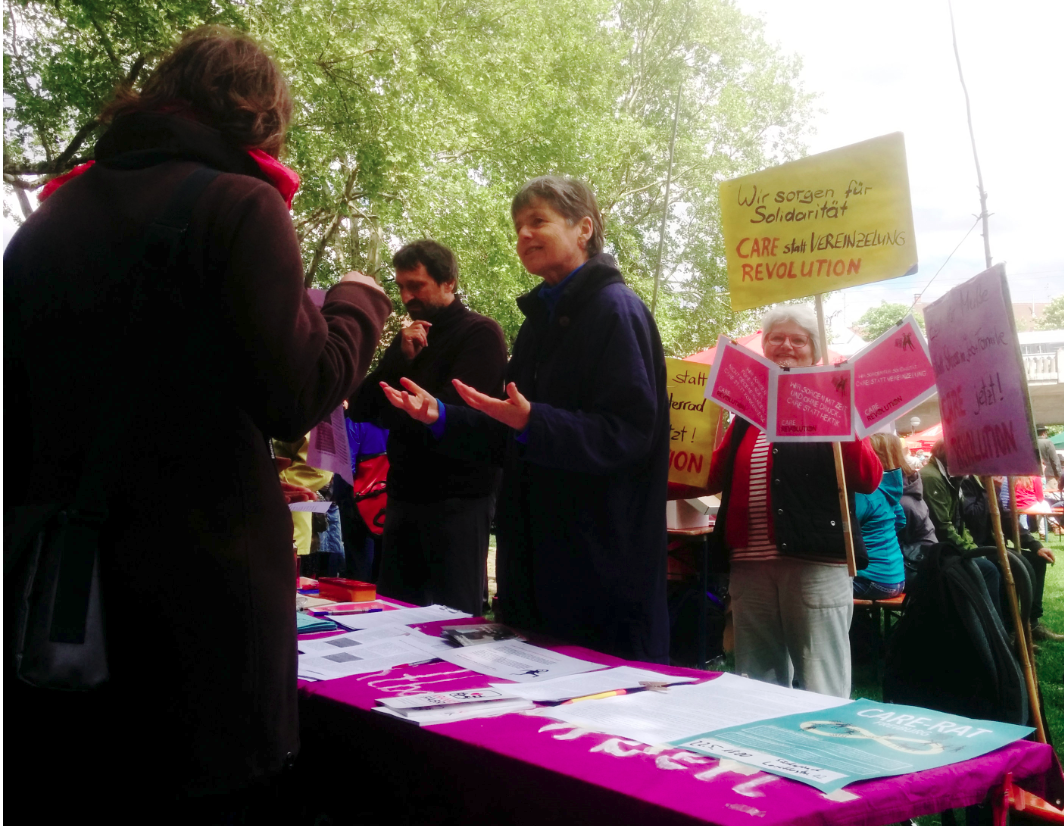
point(805, 503)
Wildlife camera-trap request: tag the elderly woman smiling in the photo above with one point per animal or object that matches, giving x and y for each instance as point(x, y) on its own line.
point(780, 533)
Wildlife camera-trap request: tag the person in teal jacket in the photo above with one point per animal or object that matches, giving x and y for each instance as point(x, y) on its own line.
point(881, 516)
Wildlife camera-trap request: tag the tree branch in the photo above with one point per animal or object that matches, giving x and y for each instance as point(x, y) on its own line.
point(59, 164)
point(330, 231)
point(105, 41)
point(319, 249)
point(42, 168)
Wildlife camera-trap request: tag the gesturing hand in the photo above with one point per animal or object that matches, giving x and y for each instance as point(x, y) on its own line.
point(514, 411)
point(414, 338)
point(419, 404)
point(365, 280)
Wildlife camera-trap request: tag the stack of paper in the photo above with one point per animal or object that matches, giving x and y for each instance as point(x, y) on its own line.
point(517, 661)
point(689, 710)
point(362, 652)
point(448, 706)
point(404, 616)
point(581, 685)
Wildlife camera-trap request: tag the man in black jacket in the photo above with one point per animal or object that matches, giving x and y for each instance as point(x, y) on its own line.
point(439, 508)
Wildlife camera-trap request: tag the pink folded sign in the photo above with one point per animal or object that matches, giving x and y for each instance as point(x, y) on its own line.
point(891, 376)
point(739, 382)
point(982, 384)
point(811, 404)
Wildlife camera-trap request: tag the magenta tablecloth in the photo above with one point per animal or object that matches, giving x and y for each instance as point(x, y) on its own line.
point(524, 769)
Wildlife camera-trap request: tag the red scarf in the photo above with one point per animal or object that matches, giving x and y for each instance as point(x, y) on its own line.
point(284, 179)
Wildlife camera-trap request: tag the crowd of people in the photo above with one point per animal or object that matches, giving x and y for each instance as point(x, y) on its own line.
point(222, 365)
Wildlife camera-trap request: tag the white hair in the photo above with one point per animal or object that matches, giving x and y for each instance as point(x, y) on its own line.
point(801, 314)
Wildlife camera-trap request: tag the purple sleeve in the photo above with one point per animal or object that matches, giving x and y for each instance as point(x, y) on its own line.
point(440, 425)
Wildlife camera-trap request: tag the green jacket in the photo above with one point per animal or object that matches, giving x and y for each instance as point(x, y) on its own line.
point(943, 497)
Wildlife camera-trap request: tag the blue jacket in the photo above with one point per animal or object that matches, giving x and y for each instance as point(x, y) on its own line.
point(881, 517)
point(581, 515)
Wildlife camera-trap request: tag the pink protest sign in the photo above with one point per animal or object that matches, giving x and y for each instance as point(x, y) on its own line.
point(891, 376)
point(328, 448)
point(811, 404)
point(739, 382)
point(982, 385)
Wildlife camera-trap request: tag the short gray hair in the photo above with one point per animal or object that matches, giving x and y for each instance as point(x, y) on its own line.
point(570, 198)
point(801, 314)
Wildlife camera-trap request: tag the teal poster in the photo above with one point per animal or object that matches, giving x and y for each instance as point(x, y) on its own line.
point(833, 748)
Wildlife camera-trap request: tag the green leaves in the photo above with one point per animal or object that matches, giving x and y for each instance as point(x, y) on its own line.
point(424, 118)
point(877, 320)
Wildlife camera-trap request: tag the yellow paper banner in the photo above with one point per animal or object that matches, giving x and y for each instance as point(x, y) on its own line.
point(825, 222)
point(694, 420)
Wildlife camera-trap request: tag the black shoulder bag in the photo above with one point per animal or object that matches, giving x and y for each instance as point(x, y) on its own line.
point(51, 551)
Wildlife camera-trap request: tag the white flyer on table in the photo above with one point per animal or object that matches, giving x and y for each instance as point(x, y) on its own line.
point(341, 642)
point(517, 661)
point(352, 657)
point(689, 710)
point(439, 699)
point(402, 616)
point(434, 716)
point(581, 685)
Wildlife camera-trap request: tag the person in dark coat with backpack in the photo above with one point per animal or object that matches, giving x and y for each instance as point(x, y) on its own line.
point(197, 574)
point(583, 439)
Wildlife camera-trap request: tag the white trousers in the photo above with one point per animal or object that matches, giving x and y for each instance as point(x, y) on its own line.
point(792, 622)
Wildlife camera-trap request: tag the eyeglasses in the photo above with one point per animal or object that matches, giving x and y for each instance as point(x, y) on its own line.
point(798, 342)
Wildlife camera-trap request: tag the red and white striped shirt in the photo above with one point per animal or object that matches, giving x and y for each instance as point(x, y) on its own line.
point(759, 546)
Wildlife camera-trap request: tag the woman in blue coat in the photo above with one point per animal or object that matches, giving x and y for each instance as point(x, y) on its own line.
point(583, 439)
point(881, 516)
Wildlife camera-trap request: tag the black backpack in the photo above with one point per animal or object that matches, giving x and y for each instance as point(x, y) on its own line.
point(950, 651)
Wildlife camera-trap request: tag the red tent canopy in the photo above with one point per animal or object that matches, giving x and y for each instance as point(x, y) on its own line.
point(750, 342)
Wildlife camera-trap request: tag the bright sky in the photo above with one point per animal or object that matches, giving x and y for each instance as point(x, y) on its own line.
point(889, 66)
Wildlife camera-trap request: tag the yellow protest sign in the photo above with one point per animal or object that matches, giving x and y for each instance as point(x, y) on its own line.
point(694, 420)
point(825, 222)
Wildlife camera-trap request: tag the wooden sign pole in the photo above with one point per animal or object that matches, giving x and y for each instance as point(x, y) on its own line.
point(1025, 653)
point(840, 474)
point(1014, 511)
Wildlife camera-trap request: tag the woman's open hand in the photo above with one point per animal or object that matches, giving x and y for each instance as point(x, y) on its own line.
point(414, 400)
point(514, 410)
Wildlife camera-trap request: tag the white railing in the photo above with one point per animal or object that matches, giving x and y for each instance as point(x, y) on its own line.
point(1044, 368)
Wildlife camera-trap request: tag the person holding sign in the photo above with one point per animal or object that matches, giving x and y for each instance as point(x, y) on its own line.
point(583, 439)
point(779, 530)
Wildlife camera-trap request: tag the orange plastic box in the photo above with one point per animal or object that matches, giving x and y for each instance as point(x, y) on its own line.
point(346, 590)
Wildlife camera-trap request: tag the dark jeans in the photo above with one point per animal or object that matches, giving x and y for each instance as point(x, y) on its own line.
point(867, 589)
point(436, 552)
point(1038, 578)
